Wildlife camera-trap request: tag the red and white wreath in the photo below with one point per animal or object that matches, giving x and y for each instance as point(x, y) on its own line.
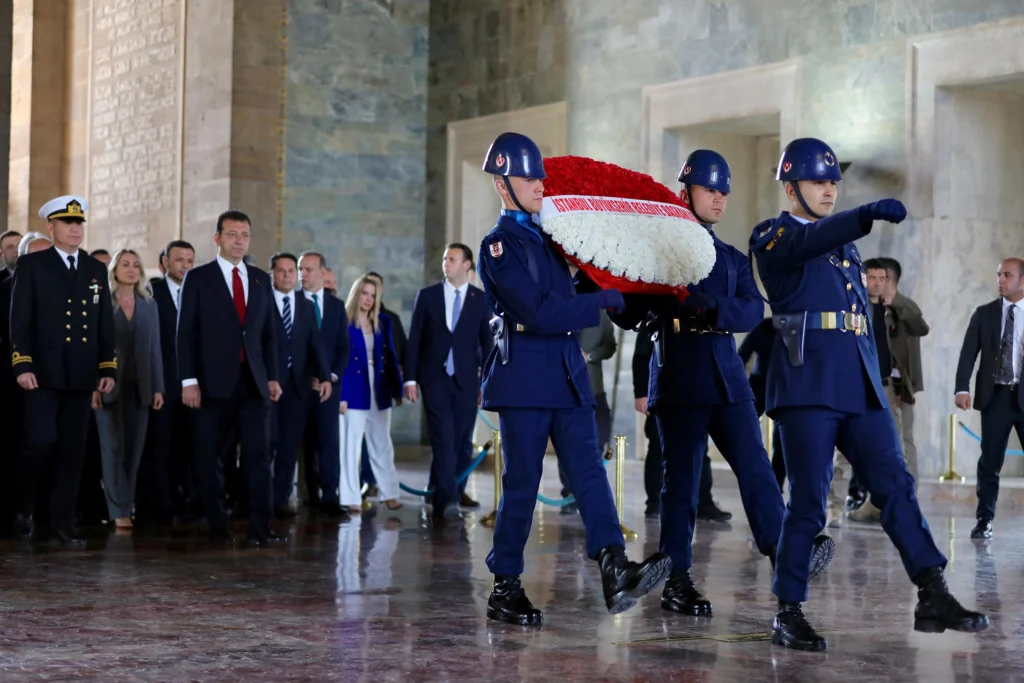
point(624, 229)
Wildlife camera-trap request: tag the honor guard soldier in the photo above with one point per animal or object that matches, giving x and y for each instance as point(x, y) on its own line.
point(536, 379)
point(62, 350)
point(824, 390)
point(698, 387)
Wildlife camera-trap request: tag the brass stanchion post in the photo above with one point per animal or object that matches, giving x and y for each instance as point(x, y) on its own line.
point(620, 485)
point(951, 474)
point(491, 517)
point(769, 438)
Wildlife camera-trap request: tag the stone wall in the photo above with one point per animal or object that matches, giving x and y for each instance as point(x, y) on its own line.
point(356, 145)
point(496, 55)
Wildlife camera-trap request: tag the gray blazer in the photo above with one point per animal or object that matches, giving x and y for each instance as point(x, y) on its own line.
point(599, 344)
point(150, 375)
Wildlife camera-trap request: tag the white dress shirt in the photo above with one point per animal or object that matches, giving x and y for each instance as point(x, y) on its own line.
point(227, 268)
point(64, 256)
point(279, 297)
point(449, 301)
point(1018, 335)
point(175, 289)
point(323, 311)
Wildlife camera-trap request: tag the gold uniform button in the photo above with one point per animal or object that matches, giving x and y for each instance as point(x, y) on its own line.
point(846, 264)
point(853, 307)
point(68, 312)
point(83, 314)
point(69, 300)
point(848, 286)
point(83, 302)
point(85, 327)
point(84, 340)
point(68, 327)
point(67, 339)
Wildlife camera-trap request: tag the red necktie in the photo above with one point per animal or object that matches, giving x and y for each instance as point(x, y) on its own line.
point(238, 293)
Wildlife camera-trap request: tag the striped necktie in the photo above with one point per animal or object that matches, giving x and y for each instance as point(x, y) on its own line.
point(286, 318)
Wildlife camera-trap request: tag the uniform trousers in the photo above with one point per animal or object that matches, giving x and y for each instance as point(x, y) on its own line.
point(376, 425)
point(737, 433)
point(869, 441)
point(525, 433)
point(56, 425)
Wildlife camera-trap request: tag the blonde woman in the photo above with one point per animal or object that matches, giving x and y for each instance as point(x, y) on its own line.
point(372, 379)
point(123, 415)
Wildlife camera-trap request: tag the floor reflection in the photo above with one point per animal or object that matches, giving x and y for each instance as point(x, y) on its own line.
point(396, 596)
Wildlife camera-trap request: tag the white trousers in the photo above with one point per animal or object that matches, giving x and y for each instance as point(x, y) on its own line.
point(376, 425)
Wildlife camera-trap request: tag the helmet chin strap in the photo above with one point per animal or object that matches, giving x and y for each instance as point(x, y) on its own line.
point(693, 209)
point(800, 198)
point(512, 194)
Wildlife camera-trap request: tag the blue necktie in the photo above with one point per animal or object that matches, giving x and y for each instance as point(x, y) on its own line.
point(456, 311)
point(286, 317)
point(316, 307)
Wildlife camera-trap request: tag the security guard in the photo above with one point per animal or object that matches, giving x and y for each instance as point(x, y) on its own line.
point(824, 390)
point(698, 387)
point(62, 349)
point(536, 379)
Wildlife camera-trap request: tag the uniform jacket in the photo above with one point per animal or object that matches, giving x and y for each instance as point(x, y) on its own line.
point(701, 368)
point(62, 328)
point(528, 284)
point(815, 267)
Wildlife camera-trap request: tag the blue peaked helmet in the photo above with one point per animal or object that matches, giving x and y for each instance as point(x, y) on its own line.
point(514, 155)
point(708, 169)
point(807, 159)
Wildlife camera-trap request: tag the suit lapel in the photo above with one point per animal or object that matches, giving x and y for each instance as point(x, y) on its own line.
point(255, 297)
point(997, 325)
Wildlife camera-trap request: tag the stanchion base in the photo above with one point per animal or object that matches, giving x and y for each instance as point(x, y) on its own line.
point(952, 476)
point(489, 519)
point(366, 505)
point(628, 533)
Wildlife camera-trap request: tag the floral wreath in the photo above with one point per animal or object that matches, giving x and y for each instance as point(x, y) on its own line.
point(625, 230)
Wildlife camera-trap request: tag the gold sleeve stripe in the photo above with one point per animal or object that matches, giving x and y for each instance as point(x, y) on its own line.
point(112, 365)
point(18, 358)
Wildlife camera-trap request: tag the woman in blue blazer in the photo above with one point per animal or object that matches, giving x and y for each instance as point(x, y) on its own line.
point(372, 381)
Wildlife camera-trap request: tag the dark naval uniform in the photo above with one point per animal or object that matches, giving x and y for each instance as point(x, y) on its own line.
point(62, 330)
point(536, 379)
point(824, 391)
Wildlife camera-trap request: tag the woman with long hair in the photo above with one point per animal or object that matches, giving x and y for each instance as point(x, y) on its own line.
point(123, 415)
point(372, 380)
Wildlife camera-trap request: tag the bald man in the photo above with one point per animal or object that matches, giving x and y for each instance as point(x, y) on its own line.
point(996, 331)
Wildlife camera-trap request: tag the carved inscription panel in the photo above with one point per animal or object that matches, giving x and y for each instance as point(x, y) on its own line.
point(134, 128)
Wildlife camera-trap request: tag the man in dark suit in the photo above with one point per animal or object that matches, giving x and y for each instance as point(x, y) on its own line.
point(301, 362)
point(227, 365)
point(62, 349)
point(996, 331)
point(9, 242)
point(166, 475)
point(321, 467)
point(448, 341)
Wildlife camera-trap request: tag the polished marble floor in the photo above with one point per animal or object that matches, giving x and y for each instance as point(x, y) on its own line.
point(392, 597)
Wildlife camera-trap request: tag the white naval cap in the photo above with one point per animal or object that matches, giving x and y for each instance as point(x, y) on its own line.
point(68, 206)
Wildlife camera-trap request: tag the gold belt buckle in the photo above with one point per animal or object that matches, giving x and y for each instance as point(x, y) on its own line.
point(519, 327)
point(853, 322)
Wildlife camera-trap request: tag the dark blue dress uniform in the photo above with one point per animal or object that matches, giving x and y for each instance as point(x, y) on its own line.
point(824, 391)
point(536, 379)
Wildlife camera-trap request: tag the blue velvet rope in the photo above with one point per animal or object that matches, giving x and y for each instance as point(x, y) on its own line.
point(978, 439)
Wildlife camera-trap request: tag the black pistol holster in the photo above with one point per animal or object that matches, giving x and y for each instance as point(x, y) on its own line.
point(499, 330)
point(791, 328)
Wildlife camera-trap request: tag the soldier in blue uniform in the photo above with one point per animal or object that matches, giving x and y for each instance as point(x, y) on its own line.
point(536, 379)
point(698, 387)
point(824, 390)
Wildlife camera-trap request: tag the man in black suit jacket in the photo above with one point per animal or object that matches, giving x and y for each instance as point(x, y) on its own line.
point(301, 363)
point(9, 241)
point(996, 331)
point(165, 474)
point(227, 364)
point(62, 349)
point(448, 342)
point(321, 465)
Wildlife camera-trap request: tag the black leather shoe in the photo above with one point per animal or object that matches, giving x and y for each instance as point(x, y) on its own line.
point(68, 540)
point(449, 512)
point(221, 537)
point(680, 595)
point(937, 609)
point(285, 512)
point(467, 502)
point(856, 502)
point(24, 527)
point(624, 581)
point(508, 603)
point(332, 510)
point(983, 529)
point(822, 555)
point(790, 629)
point(712, 513)
point(265, 540)
point(570, 509)
point(652, 513)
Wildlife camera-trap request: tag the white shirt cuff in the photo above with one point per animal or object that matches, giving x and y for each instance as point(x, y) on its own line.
point(334, 378)
point(409, 384)
point(189, 382)
point(963, 393)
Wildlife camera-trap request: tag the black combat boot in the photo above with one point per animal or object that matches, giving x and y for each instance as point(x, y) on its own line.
point(508, 603)
point(824, 550)
point(937, 609)
point(680, 595)
point(624, 581)
point(790, 629)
